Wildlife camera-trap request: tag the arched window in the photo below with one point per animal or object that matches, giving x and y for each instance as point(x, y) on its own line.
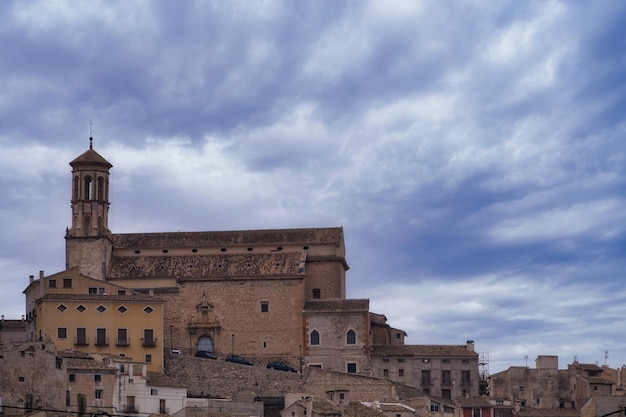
point(315, 337)
point(100, 188)
point(351, 337)
point(87, 225)
point(87, 189)
point(205, 343)
point(76, 184)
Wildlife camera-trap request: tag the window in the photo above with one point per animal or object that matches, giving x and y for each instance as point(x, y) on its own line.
point(122, 309)
point(265, 306)
point(148, 338)
point(521, 388)
point(446, 379)
point(476, 412)
point(465, 377)
point(67, 398)
point(154, 391)
point(351, 367)
point(445, 361)
point(351, 337)
point(329, 395)
point(61, 308)
point(58, 363)
point(98, 394)
point(446, 393)
point(72, 377)
point(148, 310)
point(122, 337)
point(81, 308)
point(121, 292)
point(21, 379)
point(52, 283)
point(401, 360)
point(93, 291)
point(101, 337)
point(342, 395)
point(67, 282)
point(434, 407)
point(101, 309)
point(97, 378)
point(385, 373)
point(425, 378)
point(148, 358)
point(398, 335)
point(315, 337)
point(317, 293)
point(401, 372)
point(62, 333)
point(81, 336)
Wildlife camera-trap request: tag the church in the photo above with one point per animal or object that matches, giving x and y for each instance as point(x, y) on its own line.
point(266, 295)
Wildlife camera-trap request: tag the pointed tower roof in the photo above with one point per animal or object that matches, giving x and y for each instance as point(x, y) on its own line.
point(91, 157)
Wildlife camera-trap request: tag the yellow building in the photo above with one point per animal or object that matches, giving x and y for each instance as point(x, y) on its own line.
point(79, 313)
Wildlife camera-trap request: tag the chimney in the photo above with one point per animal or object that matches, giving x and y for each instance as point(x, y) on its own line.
point(470, 345)
point(31, 278)
point(40, 274)
point(308, 401)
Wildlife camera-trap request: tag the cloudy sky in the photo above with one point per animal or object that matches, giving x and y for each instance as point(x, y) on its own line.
point(473, 151)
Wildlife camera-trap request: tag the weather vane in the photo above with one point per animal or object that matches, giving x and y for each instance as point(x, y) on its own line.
point(91, 134)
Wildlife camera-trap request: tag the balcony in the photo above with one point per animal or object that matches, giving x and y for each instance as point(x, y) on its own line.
point(81, 341)
point(122, 341)
point(102, 341)
point(149, 342)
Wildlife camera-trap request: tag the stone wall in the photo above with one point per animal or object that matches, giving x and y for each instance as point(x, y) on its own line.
point(220, 379)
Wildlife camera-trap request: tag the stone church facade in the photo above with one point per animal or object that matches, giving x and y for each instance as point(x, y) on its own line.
point(262, 294)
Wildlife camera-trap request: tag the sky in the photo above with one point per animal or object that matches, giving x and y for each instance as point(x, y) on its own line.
point(473, 151)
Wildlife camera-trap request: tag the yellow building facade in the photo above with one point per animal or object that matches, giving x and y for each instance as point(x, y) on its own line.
point(88, 315)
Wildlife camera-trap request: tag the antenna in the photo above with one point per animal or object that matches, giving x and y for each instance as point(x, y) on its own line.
point(606, 356)
point(526, 359)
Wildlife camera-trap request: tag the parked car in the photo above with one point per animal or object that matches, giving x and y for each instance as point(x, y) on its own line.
point(281, 366)
point(238, 359)
point(205, 354)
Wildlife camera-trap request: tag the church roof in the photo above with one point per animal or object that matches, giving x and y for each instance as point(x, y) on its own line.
point(229, 238)
point(423, 350)
point(91, 157)
point(337, 306)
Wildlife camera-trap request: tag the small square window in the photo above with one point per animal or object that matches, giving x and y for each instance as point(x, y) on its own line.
point(351, 367)
point(72, 377)
point(148, 310)
point(342, 396)
point(81, 308)
point(21, 379)
point(97, 378)
point(67, 283)
point(61, 308)
point(52, 283)
point(317, 293)
point(98, 394)
point(154, 391)
point(122, 309)
point(93, 291)
point(101, 309)
point(62, 333)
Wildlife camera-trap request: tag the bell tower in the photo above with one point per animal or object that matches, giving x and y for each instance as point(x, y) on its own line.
point(87, 241)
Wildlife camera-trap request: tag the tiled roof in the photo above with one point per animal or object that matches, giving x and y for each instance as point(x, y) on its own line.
point(228, 238)
point(547, 412)
point(333, 306)
point(356, 409)
point(91, 157)
point(202, 267)
point(423, 350)
point(160, 380)
point(466, 402)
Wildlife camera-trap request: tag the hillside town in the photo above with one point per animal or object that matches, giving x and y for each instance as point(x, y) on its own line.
point(244, 323)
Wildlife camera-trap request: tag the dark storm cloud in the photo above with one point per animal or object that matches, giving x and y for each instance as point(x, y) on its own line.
point(472, 152)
